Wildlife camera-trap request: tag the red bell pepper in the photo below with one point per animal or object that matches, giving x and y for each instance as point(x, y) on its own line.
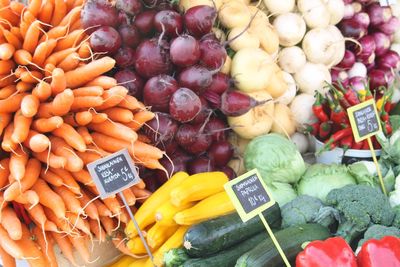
point(332, 252)
point(379, 253)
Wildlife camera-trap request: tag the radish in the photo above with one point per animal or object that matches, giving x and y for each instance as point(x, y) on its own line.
point(196, 77)
point(185, 51)
point(382, 43)
point(357, 83)
point(378, 14)
point(158, 91)
point(348, 60)
point(292, 59)
point(144, 21)
point(312, 77)
point(199, 20)
point(290, 27)
point(363, 19)
point(168, 22)
point(348, 11)
point(358, 70)
point(390, 60)
point(352, 28)
point(395, 47)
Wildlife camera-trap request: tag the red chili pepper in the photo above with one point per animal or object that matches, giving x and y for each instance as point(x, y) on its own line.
point(375, 143)
point(332, 252)
point(347, 142)
point(365, 145)
point(350, 95)
point(325, 130)
point(339, 96)
point(338, 114)
point(312, 128)
point(388, 107)
point(357, 145)
point(318, 108)
point(339, 135)
point(388, 128)
point(379, 253)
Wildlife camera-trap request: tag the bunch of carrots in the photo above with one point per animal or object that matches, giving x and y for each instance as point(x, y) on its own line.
point(59, 112)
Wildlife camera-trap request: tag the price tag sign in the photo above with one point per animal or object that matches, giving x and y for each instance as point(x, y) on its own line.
point(114, 173)
point(364, 120)
point(249, 195)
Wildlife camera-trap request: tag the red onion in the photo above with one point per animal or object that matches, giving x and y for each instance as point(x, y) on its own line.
point(367, 46)
point(362, 18)
point(352, 28)
point(357, 83)
point(378, 14)
point(377, 78)
point(382, 43)
point(348, 60)
point(389, 60)
point(390, 26)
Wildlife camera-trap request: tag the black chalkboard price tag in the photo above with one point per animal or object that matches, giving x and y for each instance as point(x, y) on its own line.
point(114, 173)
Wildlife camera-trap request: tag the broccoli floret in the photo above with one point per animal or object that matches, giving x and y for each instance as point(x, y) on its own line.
point(306, 209)
point(359, 206)
point(377, 231)
point(396, 220)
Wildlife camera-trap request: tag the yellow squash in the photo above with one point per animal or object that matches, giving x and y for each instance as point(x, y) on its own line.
point(165, 214)
point(211, 207)
point(145, 214)
point(158, 234)
point(122, 262)
point(197, 187)
point(138, 263)
point(136, 246)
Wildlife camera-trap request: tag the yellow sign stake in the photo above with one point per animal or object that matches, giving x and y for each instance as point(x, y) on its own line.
point(371, 147)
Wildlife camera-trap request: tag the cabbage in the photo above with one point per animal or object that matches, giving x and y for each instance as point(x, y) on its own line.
point(282, 193)
point(276, 158)
point(320, 179)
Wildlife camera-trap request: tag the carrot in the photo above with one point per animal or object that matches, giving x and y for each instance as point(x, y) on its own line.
point(17, 163)
point(23, 28)
point(37, 214)
point(7, 91)
point(28, 17)
point(72, 16)
point(6, 66)
point(31, 76)
point(98, 117)
point(45, 243)
point(31, 250)
point(51, 177)
point(60, 148)
point(34, 7)
point(4, 171)
point(113, 97)
point(60, 10)
point(29, 106)
point(24, 86)
point(139, 119)
point(5, 119)
point(46, 12)
point(12, 39)
point(49, 198)
point(62, 102)
point(84, 50)
point(17, 7)
point(47, 125)
point(78, 223)
point(21, 127)
point(131, 103)
point(71, 136)
point(83, 118)
point(83, 131)
point(140, 193)
point(80, 245)
point(9, 245)
point(58, 82)
point(68, 179)
point(70, 62)
point(108, 224)
point(89, 207)
point(83, 177)
point(85, 74)
point(40, 54)
point(7, 259)
point(65, 246)
point(22, 57)
point(97, 230)
point(119, 114)
point(88, 91)
point(31, 176)
point(83, 102)
point(6, 51)
point(7, 144)
point(112, 204)
point(32, 36)
point(6, 79)
point(129, 196)
point(17, 32)
point(71, 202)
point(59, 56)
point(71, 40)
point(37, 142)
point(151, 163)
point(50, 159)
point(88, 156)
point(55, 33)
point(11, 223)
point(114, 129)
point(28, 197)
point(42, 91)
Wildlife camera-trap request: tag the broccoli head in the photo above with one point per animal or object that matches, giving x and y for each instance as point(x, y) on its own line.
point(359, 206)
point(396, 220)
point(377, 231)
point(306, 209)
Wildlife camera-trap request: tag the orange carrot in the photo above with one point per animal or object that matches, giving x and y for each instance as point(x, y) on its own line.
point(45, 110)
point(55, 33)
point(71, 40)
point(24, 86)
point(46, 244)
point(37, 214)
point(141, 194)
point(28, 197)
point(17, 7)
point(4, 171)
point(114, 129)
point(88, 91)
point(18, 161)
point(17, 32)
point(78, 223)
point(31, 250)
point(83, 118)
point(71, 202)
point(28, 17)
point(139, 119)
point(7, 259)
point(62, 102)
point(112, 204)
point(42, 91)
point(29, 106)
point(47, 125)
point(98, 117)
point(50, 159)
point(80, 245)
point(40, 54)
point(85, 74)
point(32, 36)
point(59, 56)
point(37, 142)
point(108, 224)
point(6, 51)
point(60, 148)
point(68, 179)
point(49, 198)
point(11, 223)
point(130, 103)
point(13, 40)
point(83, 131)
point(70, 62)
point(22, 57)
point(119, 114)
point(7, 91)
point(6, 80)
point(60, 10)
point(72, 16)
point(83, 177)
point(71, 136)
point(97, 230)
point(88, 156)
point(31, 176)
point(65, 246)
point(129, 196)
point(46, 12)
point(84, 50)
point(23, 28)
point(102, 209)
point(9, 245)
point(21, 127)
point(6, 66)
point(7, 144)
point(113, 97)
point(34, 7)
point(5, 119)
point(58, 82)
point(51, 177)
point(105, 82)
point(83, 102)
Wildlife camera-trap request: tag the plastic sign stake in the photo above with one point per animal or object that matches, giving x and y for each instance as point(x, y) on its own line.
point(365, 123)
point(250, 197)
point(113, 174)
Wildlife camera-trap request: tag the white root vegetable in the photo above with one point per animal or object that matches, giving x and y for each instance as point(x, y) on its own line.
point(234, 14)
point(336, 10)
point(312, 77)
point(301, 141)
point(290, 28)
point(260, 16)
point(280, 7)
point(358, 70)
point(292, 59)
point(396, 37)
point(186, 4)
point(245, 40)
point(301, 108)
point(277, 85)
point(257, 121)
point(283, 120)
point(226, 69)
point(219, 34)
point(324, 45)
point(290, 93)
point(252, 69)
point(315, 13)
point(268, 36)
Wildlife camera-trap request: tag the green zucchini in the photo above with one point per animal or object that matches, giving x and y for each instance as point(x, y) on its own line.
point(290, 239)
point(228, 257)
point(175, 257)
point(214, 235)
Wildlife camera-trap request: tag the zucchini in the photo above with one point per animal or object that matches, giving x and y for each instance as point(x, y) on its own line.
point(175, 257)
point(217, 234)
point(290, 239)
point(228, 257)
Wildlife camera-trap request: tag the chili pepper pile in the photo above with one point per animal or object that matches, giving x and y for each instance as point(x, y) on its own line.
point(333, 126)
